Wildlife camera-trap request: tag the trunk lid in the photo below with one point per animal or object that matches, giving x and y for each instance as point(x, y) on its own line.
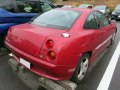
point(30, 38)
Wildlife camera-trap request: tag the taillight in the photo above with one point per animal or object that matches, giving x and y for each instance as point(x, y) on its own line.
point(49, 43)
point(51, 54)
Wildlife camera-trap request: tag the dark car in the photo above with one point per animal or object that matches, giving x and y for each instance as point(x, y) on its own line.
point(104, 9)
point(13, 12)
point(116, 12)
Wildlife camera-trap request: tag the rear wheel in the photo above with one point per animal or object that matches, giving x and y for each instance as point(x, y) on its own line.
point(81, 68)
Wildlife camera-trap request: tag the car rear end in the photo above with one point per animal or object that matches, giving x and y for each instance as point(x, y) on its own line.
point(28, 50)
point(37, 45)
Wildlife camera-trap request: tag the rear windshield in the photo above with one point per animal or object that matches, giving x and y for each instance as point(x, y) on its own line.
point(58, 19)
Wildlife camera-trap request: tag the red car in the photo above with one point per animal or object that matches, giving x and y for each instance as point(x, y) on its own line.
point(61, 43)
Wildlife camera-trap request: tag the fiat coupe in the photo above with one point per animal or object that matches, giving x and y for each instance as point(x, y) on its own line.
point(61, 43)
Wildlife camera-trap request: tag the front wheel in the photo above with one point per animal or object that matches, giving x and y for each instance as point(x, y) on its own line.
point(81, 68)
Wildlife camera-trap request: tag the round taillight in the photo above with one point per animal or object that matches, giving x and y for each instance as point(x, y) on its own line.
point(52, 55)
point(50, 43)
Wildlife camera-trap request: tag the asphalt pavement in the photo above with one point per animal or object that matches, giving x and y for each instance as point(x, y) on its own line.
point(10, 81)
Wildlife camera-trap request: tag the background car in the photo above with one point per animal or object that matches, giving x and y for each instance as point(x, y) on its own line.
point(20, 11)
point(116, 12)
point(61, 43)
point(104, 9)
point(68, 6)
point(86, 6)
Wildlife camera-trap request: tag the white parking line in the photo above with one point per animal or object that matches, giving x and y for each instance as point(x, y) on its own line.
point(106, 79)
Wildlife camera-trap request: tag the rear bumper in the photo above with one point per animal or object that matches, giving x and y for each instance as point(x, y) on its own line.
point(43, 68)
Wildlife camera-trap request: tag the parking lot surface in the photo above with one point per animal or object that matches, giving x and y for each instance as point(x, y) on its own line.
point(10, 81)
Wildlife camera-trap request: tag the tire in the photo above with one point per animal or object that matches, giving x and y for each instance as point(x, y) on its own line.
point(113, 38)
point(81, 69)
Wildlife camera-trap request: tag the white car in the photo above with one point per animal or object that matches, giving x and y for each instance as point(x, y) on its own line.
point(104, 9)
point(86, 6)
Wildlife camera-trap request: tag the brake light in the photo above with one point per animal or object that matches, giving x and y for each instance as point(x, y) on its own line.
point(49, 43)
point(52, 55)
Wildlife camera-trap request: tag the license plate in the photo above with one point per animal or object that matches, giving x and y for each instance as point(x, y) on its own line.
point(25, 63)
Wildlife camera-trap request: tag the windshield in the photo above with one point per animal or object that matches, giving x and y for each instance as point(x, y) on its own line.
point(99, 7)
point(117, 7)
point(59, 19)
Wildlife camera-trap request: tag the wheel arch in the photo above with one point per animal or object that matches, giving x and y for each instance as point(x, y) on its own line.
point(88, 52)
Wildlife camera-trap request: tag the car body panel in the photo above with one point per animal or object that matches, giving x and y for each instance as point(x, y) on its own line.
point(68, 50)
point(36, 32)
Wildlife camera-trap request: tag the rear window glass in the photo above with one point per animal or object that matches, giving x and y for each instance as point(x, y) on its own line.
point(59, 19)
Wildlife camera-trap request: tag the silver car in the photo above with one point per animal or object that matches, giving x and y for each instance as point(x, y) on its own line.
point(104, 9)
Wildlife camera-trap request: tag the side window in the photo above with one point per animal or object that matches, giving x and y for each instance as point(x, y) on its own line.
point(45, 6)
point(101, 19)
point(91, 22)
point(27, 6)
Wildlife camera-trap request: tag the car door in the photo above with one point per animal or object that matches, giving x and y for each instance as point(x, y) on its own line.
point(105, 27)
point(92, 26)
